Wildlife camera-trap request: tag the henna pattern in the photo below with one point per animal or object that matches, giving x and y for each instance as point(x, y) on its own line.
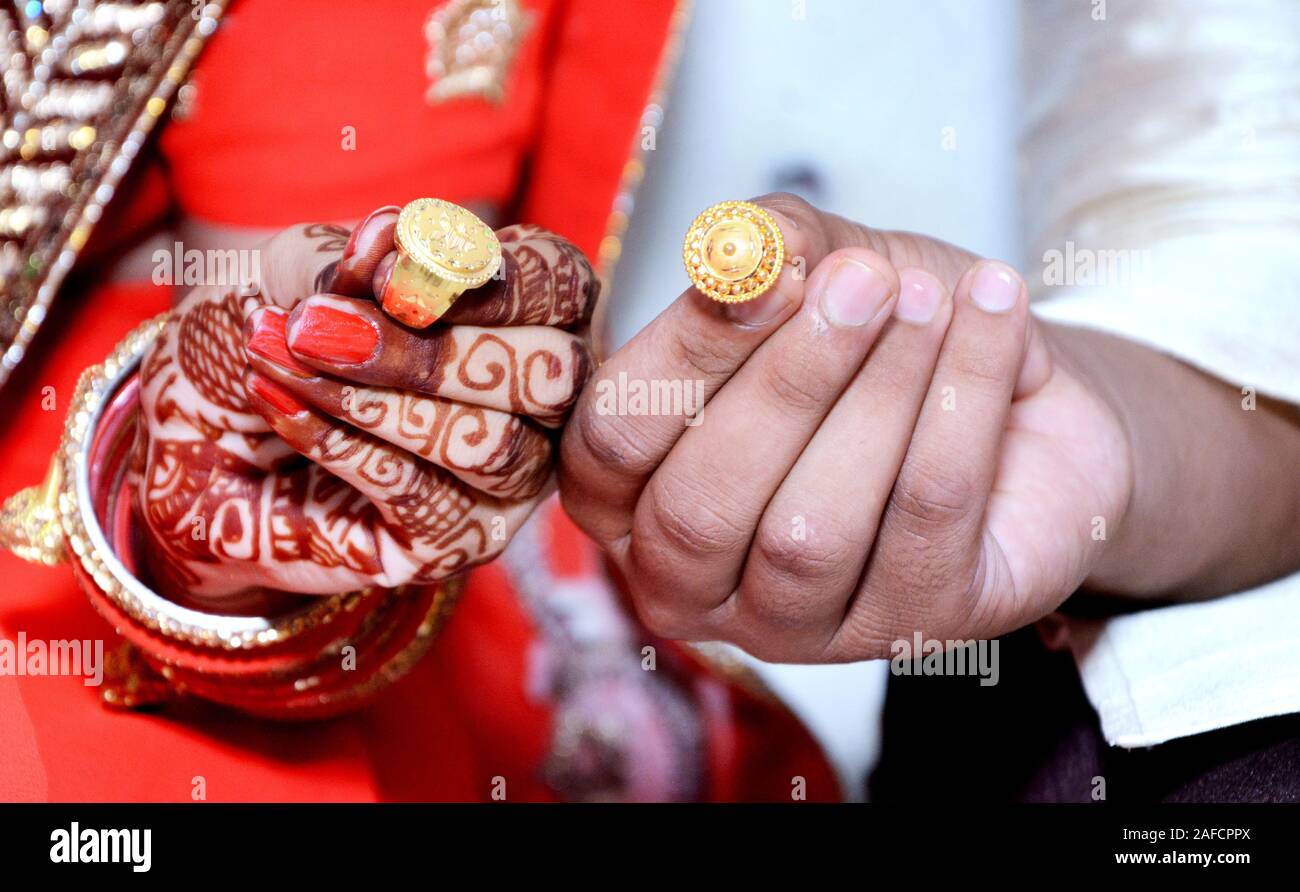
point(207, 506)
point(491, 451)
point(343, 539)
point(334, 238)
point(497, 371)
point(550, 281)
point(424, 505)
point(490, 363)
point(211, 353)
point(232, 498)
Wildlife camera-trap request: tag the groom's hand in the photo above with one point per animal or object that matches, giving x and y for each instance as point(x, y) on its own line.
point(885, 448)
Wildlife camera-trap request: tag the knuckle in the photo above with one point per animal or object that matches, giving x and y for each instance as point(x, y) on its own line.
point(816, 559)
point(796, 207)
point(908, 249)
point(583, 365)
point(810, 235)
point(773, 642)
point(939, 595)
point(758, 645)
point(926, 499)
point(496, 547)
point(517, 232)
point(662, 618)
point(863, 636)
point(598, 445)
point(678, 517)
point(567, 290)
point(990, 371)
point(793, 386)
point(521, 462)
point(781, 610)
point(891, 607)
point(710, 357)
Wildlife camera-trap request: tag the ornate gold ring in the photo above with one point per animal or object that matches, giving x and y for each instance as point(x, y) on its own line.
point(443, 250)
point(733, 252)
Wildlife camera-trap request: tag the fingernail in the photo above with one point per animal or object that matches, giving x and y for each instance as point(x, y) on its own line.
point(266, 338)
point(919, 296)
point(853, 294)
point(383, 272)
point(333, 335)
point(355, 238)
point(325, 278)
point(279, 399)
point(995, 288)
point(760, 310)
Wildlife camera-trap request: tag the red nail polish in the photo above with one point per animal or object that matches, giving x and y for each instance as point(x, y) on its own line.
point(267, 341)
point(333, 335)
point(280, 399)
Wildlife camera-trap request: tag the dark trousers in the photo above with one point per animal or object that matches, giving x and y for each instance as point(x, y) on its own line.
point(1033, 737)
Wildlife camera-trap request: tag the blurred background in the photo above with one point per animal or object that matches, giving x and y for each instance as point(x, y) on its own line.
point(897, 115)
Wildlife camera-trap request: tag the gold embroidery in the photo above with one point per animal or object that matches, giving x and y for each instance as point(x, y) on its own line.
point(84, 84)
point(471, 46)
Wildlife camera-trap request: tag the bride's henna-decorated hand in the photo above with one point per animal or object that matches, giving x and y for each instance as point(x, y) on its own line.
point(298, 439)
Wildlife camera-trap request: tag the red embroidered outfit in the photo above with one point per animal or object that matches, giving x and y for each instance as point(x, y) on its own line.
point(540, 678)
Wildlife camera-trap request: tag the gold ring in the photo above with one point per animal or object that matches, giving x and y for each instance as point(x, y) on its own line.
point(733, 252)
point(443, 250)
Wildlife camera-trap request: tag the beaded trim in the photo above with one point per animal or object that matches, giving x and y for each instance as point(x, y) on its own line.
point(96, 80)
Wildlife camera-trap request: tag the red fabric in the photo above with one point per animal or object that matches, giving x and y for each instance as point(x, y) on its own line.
point(460, 720)
point(590, 126)
point(275, 84)
point(571, 116)
point(263, 149)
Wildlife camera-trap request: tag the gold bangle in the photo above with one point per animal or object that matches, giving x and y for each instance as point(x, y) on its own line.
point(28, 533)
point(176, 649)
point(86, 540)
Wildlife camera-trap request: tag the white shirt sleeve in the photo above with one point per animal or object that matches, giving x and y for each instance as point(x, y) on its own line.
point(1161, 167)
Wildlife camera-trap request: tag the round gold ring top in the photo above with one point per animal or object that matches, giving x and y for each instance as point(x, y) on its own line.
point(448, 241)
point(733, 251)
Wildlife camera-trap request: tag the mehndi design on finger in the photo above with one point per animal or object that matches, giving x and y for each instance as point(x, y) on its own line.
point(544, 280)
point(491, 450)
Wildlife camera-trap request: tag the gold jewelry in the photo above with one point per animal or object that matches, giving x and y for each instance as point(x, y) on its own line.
point(733, 252)
point(248, 662)
point(29, 521)
point(443, 250)
point(87, 542)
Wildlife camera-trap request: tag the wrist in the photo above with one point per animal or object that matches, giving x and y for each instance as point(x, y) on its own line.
point(1114, 555)
point(1207, 512)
